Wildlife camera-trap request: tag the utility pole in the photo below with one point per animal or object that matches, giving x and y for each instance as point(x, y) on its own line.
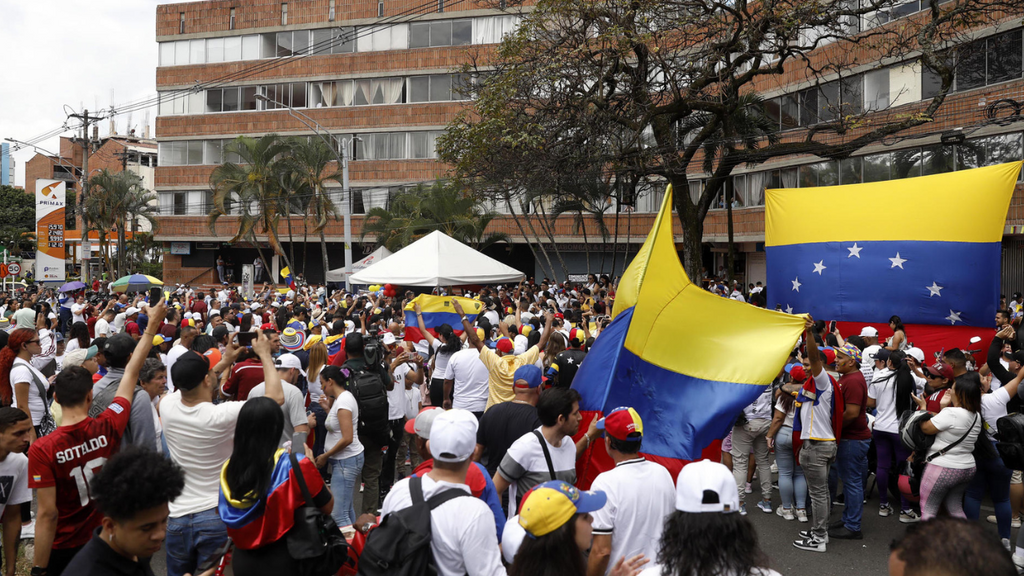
point(85, 245)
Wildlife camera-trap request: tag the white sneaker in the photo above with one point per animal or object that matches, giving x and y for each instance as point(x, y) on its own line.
point(748, 489)
point(1018, 560)
point(28, 531)
point(775, 468)
point(885, 510)
point(811, 544)
point(1006, 544)
point(785, 513)
point(1014, 522)
point(909, 517)
point(801, 515)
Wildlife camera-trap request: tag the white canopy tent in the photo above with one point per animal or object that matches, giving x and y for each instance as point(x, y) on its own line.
point(437, 260)
point(338, 275)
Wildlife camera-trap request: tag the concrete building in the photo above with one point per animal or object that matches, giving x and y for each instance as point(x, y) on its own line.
point(389, 81)
point(6, 165)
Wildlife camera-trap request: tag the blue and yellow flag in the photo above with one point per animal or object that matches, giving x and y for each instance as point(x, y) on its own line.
point(287, 275)
point(437, 310)
point(927, 249)
point(686, 360)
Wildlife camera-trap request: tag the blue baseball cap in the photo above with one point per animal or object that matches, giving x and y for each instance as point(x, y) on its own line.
point(530, 373)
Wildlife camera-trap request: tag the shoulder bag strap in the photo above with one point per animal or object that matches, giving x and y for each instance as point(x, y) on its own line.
point(449, 494)
point(547, 454)
point(416, 490)
point(302, 480)
point(954, 444)
point(39, 385)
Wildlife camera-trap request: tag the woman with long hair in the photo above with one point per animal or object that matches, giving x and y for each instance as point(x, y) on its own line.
point(890, 393)
point(792, 484)
point(78, 337)
point(706, 534)
point(317, 361)
point(20, 380)
point(342, 450)
point(950, 462)
point(899, 334)
point(556, 345)
point(555, 517)
point(260, 492)
point(441, 349)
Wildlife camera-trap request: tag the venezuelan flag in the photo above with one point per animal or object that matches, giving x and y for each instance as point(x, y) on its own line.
point(437, 310)
point(927, 249)
point(687, 361)
point(287, 275)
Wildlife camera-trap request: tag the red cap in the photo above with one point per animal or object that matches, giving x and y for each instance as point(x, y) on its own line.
point(941, 370)
point(267, 326)
point(505, 345)
point(829, 355)
point(621, 423)
point(559, 316)
point(797, 372)
point(577, 337)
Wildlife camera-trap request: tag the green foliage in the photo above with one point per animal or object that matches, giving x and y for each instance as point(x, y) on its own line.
point(115, 200)
point(19, 209)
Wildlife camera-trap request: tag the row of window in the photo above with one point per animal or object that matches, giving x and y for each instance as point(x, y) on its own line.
point(360, 92)
point(418, 145)
point(200, 202)
point(980, 63)
point(341, 40)
point(748, 189)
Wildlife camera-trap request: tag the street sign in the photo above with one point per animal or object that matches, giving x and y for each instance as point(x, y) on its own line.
point(13, 269)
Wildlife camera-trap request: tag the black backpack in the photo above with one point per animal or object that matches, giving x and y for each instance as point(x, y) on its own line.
point(372, 399)
point(400, 545)
point(1011, 440)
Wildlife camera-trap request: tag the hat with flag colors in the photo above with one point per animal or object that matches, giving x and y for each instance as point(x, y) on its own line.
point(548, 506)
point(623, 424)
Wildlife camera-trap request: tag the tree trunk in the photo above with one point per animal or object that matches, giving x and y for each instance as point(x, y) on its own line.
point(259, 252)
point(291, 241)
point(104, 245)
point(529, 244)
point(323, 252)
point(730, 259)
point(586, 243)
point(548, 228)
point(693, 229)
point(615, 243)
point(629, 239)
point(305, 241)
point(121, 245)
point(543, 250)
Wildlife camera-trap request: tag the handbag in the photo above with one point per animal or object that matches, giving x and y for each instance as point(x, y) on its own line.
point(46, 423)
point(314, 541)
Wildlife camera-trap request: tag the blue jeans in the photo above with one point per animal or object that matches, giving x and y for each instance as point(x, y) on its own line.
point(344, 474)
point(851, 466)
point(192, 539)
point(992, 476)
point(792, 484)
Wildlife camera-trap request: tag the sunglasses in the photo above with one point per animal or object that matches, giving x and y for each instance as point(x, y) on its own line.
point(32, 342)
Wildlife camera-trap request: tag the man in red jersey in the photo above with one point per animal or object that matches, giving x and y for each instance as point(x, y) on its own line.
point(61, 465)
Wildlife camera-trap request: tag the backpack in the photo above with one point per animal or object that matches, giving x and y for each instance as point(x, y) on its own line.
point(400, 545)
point(101, 402)
point(372, 399)
point(1011, 440)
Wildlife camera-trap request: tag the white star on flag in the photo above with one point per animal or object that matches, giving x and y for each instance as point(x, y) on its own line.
point(954, 317)
point(855, 250)
point(897, 261)
point(789, 309)
point(934, 290)
point(818, 267)
point(797, 284)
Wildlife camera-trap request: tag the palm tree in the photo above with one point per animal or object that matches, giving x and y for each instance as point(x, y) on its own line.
point(252, 190)
point(113, 198)
point(585, 194)
point(309, 160)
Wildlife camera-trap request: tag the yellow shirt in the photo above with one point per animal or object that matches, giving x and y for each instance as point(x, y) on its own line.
point(500, 370)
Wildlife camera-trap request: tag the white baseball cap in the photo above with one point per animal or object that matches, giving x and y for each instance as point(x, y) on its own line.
point(453, 436)
point(388, 338)
point(869, 353)
point(868, 332)
point(512, 538)
point(706, 486)
point(131, 310)
point(286, 361)
point(423, 422)
point(917, 353)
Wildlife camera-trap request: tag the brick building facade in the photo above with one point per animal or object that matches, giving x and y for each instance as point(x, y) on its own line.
point(389, 80)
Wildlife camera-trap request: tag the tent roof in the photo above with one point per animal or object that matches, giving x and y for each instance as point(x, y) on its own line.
point(437, 260)
point(338, 274)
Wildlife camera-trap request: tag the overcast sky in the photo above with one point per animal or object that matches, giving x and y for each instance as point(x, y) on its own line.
point(74, 53)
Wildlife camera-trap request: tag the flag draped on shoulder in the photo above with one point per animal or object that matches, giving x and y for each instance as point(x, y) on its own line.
point(437, 310)
point(927, 249)
point(686, 360)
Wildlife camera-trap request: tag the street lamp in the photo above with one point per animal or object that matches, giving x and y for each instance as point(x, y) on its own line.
point(346, 193)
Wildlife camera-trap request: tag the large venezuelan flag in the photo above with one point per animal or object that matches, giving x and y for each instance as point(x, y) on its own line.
point(686, 360)
point(926, 249)
point(437, 310)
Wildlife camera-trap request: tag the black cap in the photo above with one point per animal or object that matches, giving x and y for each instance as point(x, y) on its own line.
point(1018, 357)
point(220, 332)
point(189, 370)
point(119, 346)
point(883, 355)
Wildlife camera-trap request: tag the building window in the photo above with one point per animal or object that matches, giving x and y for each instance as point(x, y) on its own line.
point(440, 5)
point(231, 20)
point(380, 9)
point(330, 11)
point(284, 14)
point(181, 22)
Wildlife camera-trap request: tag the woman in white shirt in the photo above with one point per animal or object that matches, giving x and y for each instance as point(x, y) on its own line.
point(442, 347)
point(342, 450)
point(78, 337)
point(792, 484)
point(950, 461)
point(890, 392)
point(20, 381)
point(317, 360)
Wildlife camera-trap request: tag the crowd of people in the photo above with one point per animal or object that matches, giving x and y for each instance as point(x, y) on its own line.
point(200, 421)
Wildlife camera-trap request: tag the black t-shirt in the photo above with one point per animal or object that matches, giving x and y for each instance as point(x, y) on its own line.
point(568, 362)
point(97, 558)
point(502, 425)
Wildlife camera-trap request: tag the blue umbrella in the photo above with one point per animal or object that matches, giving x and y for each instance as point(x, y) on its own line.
point(72, 286)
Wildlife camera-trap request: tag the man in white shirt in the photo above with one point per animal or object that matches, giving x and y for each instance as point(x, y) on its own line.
point(15, 431)
point(640, 496)
point(102, 328)
point(200, 437)
point(77, 310)
point(188, 334)
point(465, 382)
point(463, 533)
point(752, 435)
point(289, 368)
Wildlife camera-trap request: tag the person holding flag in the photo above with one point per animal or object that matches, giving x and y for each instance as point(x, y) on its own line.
point(287, 275)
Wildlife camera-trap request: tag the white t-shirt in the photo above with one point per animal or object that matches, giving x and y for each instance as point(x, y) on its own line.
point(156, 425)
point(634, 518)
point(993, 407)
point(816, 419)
point(344, 402)
point(101, 328)
point(22, 371)
point(14, 481)
point(294, 407)
point(441, 359)
point(72, 344)
point(952, 423)
point(524, 465)
point(172, 356)
point(788, 422)
point(76, 313)
point(396, 396)
point(464, 539)
point(315, 388)
point(469, 391)
point(883, 390)
point(655, 570)
point(119, 322)
point(200, 439)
